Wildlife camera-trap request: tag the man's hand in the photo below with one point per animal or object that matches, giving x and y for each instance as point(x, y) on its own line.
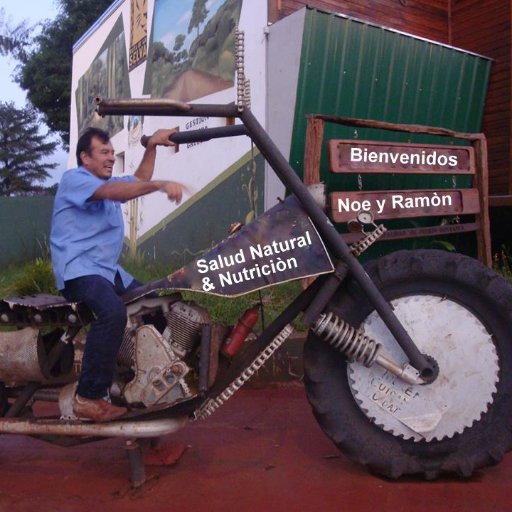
point(161, 138)
point(174, 190)
point(147, 165)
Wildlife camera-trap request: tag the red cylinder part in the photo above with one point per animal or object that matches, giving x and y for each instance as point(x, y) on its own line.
point(240, 332)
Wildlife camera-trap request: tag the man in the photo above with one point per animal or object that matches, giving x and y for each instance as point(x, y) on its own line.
point(86, 242)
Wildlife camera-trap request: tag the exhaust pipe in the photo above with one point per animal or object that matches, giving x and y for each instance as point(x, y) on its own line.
point(140, 429)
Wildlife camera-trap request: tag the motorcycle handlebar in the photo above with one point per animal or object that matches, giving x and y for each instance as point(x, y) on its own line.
point(203, 135)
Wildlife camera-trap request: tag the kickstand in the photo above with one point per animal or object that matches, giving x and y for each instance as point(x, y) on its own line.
point(151, 452)
point(134, 450)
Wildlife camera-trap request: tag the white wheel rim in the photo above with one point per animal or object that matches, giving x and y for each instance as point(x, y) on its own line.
point(468, 364)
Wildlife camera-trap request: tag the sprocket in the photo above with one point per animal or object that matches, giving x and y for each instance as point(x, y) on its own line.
point(466, 383)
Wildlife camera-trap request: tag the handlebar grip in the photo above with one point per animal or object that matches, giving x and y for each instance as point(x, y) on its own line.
point(203, 134)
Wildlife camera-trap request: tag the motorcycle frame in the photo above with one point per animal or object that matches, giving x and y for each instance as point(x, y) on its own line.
point(316, 297)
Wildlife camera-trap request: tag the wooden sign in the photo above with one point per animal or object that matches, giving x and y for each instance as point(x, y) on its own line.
point(363, 156)
point(395, 204)
point(468, 208)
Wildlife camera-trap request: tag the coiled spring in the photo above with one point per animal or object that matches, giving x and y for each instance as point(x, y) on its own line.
point(359, 247)
point(213, 404)
point(247, 94)
point(347, 339)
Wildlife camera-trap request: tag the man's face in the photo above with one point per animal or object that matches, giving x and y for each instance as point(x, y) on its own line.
point(101, 160)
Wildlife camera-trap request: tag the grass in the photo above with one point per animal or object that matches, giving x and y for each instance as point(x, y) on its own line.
point(9, 279)
point(502, 263)
point(37, 277)
point(229, 310)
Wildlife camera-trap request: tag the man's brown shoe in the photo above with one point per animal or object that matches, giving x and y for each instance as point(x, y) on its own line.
point(96, 409)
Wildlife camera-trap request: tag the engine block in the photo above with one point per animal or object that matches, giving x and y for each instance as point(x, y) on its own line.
point(158, 359)
point(159, 373)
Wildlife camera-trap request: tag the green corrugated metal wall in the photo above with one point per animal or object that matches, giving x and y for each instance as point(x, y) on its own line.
point(24, 228)
point(350, 68)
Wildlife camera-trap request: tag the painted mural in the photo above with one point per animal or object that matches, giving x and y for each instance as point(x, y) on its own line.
point(107, 77)
point(138, 32)
point(191, 53)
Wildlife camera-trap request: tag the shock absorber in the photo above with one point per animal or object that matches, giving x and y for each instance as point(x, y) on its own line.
point(360, 348)
point(347, 339)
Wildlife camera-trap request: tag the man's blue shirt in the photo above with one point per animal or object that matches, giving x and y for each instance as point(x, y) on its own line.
point(86, 236)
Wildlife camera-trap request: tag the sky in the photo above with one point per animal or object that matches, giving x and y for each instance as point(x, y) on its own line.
point(172, 14)
point(33, 11)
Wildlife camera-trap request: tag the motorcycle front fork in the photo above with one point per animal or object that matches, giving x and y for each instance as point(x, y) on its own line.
point(425, 365)
point(351, 341)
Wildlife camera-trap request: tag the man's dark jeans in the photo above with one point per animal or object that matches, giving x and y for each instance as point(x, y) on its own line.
point(106, 332)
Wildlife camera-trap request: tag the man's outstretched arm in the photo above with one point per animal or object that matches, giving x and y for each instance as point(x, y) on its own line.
point(124, 191)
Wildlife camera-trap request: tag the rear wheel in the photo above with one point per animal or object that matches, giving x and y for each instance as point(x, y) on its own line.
point(458, 312)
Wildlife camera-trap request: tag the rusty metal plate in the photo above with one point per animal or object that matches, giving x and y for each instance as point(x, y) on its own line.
point(40, 301)
point(42, 309)
point(281, 245)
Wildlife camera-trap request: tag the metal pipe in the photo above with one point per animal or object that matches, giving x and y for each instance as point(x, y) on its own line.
point(204, 357)
point(203, 135)
point(136, 459)
point(38, 427)
point(163, 108)
point(23, 399)
point(324, 296)
point(335, 242)
point(43, 395)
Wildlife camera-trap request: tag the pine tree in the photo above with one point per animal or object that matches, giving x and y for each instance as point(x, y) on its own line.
point(22, 150)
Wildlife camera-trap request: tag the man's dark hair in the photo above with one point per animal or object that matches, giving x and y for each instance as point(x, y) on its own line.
point(84, 142)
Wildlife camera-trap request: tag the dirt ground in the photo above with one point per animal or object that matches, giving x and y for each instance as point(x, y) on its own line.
point(261, 451)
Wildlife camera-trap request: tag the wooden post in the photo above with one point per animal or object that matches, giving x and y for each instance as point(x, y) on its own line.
point(133, 209)
point(482, 184)
point(313, 150)
point(312, 157)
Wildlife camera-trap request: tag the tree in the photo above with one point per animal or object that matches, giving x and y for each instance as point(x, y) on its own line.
point(22, 149)
point(45, 73)
point(178, 42)
point(179, 55)
point(14, 40)
point(199, 13)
